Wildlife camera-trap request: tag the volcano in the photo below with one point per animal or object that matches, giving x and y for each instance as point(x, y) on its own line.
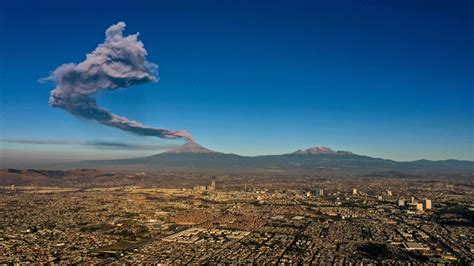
point(191, 147)
point(191, 156)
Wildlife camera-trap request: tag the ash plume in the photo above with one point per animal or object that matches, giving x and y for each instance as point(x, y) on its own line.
point(118, 62)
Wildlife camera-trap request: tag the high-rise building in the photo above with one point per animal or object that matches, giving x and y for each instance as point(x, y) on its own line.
point(401, 202)
point(413, 201)
point(321, 192)
point(389, 193)
point(354, 191)
point(427, 204)
point(213, 185)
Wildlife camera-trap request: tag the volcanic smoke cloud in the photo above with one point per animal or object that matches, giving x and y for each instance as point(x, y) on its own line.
point(119, 62)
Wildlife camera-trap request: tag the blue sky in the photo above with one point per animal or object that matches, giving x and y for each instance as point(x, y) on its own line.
point(391, 80)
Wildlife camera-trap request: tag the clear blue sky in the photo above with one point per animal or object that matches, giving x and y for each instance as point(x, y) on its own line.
point(391, 79)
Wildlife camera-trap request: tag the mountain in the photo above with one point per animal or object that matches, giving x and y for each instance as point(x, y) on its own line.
point(193, 157)
point(315, 150)
point(41, 177)
point(191, 147)
point(321, 150)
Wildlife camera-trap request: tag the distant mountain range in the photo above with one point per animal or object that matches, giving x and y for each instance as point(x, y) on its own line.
point(193, 157)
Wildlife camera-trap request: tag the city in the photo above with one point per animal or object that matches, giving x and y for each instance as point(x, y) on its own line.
point(258, 220)
point(250, 132)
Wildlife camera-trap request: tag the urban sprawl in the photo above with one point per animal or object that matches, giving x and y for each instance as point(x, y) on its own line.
point(246, 220)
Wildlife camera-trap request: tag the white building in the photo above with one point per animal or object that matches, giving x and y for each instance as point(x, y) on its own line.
point(415, 246)
point(320, 192)
point(401, 202)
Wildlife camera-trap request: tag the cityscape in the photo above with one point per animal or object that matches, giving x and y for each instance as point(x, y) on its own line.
point(242, 219)
point(249, 132)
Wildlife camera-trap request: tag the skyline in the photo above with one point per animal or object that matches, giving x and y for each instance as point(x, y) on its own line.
point(254, 78)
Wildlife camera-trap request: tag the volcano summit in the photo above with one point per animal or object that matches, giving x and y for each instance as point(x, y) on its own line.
point(191, 147)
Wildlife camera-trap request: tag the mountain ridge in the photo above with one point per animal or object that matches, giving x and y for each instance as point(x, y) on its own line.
point(193, 157)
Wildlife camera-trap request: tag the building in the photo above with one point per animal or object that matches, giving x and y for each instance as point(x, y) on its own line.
point(415, 246)
point(427, 203)
point(354, 191)
point(321, 192)
point(401, 202)
point(419, 206)
point(389, 193)
point(199, 188)
point(213, 185)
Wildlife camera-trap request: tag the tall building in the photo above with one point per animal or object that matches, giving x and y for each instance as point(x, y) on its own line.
point(213, 185)
point(354, 191)
point(401, 202)
point(389, 193)
point(427, 204)
point(321, 192)
point(413, 201)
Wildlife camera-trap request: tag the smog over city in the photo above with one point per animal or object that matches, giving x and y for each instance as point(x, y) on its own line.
point(237, 132)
